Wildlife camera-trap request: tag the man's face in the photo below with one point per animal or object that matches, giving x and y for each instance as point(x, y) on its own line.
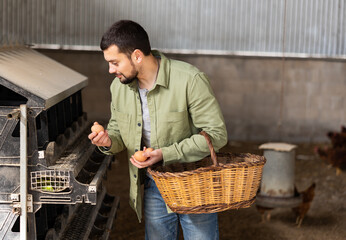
point(120, 65)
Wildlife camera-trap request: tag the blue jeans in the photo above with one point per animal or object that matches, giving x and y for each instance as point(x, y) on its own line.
point(160, 225)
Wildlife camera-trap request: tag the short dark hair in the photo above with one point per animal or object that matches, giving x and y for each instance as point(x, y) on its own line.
point(127, 36)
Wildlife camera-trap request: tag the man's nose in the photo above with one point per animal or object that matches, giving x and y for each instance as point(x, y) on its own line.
point(112, 68)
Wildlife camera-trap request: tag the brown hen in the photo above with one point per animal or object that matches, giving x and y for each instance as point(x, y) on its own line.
point(338, 139)
point(265, 213)
point(336, 157)
point(304, 207)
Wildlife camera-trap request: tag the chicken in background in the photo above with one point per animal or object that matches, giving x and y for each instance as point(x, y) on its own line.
point(334, 155)
point(338, 139)
point(343, 129)
point(303, 208)
point(265, 213)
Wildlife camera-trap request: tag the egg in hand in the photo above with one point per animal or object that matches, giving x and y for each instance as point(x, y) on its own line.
point(97, 128)
point(139, 155)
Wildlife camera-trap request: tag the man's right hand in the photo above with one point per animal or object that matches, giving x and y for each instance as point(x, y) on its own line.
point(100, 139)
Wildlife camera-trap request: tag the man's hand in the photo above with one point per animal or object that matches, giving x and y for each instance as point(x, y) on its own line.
point(153, 157)
point(101, 139)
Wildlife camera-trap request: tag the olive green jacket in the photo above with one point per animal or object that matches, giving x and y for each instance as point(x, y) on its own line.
point(181, 104)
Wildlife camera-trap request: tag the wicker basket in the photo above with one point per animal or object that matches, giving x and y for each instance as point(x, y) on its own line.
point(216, 183)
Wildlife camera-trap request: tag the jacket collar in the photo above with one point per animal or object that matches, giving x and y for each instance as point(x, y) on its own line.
point(163, 75)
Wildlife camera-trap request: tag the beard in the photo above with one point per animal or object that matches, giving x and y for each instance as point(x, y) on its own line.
point(133, 75)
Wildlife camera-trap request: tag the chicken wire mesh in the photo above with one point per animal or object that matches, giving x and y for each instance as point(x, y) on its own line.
point(50, 180)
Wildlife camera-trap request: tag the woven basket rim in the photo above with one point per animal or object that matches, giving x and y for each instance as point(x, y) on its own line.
point(259, 161)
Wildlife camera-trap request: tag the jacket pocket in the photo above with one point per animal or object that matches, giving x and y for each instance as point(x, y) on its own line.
point(173, 127)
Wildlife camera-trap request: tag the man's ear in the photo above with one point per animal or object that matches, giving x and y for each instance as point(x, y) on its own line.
point(137, 56)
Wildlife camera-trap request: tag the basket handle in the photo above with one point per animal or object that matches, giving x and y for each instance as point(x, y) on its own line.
point(211, 148)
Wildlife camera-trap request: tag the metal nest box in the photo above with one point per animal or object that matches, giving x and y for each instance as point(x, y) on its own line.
point(41, 80)
point(47, 163)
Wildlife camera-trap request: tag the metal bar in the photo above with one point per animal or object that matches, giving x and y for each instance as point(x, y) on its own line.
point(204, 52)
point(92, 216)
point(23, 172)
point(98, 177)
point(111, 217)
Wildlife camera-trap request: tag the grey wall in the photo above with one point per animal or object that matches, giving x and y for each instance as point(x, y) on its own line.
point(262, 99)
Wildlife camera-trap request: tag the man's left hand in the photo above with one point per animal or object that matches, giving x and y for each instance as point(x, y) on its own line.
point(153, 157)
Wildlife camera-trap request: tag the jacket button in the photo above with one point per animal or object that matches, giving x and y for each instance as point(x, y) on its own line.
point(139, 124)
point(134, 200)
point(135, 175)
point(136, 150)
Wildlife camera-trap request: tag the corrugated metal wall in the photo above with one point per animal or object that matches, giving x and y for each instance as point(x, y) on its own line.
point(298, 28)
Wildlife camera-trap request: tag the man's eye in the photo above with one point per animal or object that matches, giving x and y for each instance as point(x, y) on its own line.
point(114, 63)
